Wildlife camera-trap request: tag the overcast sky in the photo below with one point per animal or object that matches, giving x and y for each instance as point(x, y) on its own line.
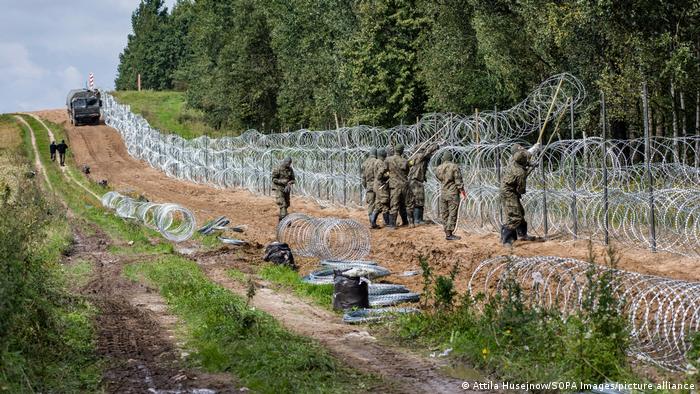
point(48, 47)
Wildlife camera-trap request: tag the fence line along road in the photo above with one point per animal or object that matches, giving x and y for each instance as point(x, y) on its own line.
point(643, 191)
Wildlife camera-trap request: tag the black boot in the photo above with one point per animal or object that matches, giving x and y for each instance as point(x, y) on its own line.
point(392, 222)
point(417, 219)
point(507, 236)
point(451, 237)
point(387, 219)
point(522, 232)
point(373, 220)
point(404, 217)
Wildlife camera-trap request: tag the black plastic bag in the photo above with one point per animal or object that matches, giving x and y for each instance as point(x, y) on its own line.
point(281, 254)
point(349, 292)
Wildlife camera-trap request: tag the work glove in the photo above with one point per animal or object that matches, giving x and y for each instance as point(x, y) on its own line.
point(288, 188)
point(535, 149)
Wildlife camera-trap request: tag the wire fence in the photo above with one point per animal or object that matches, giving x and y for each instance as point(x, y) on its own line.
point(645, 191)
point(662, 313)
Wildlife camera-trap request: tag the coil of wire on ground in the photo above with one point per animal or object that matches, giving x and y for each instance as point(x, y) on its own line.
point(173, 221)
point(662, 313)
point(325, 238)
point(565, 194)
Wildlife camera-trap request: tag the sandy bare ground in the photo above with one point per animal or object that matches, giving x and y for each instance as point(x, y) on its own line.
point(102, 149)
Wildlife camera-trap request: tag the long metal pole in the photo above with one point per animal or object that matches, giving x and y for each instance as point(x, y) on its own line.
point(498, 163)
point(604, 121)
point(345, 172)
point(574, 207)
point(650, 177)
point(545, 220)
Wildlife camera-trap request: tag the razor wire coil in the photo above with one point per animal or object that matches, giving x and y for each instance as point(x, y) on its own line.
point(662, 313)
point(325, 238)
point(570, 178)
point(173, 221)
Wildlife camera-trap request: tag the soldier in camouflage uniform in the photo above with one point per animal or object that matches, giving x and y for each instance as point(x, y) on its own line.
point(282, 181)
point(513, 186)
point(381, 189)
point(367, 178)
point(450, 177)
point(398, 184)
point(415, 198)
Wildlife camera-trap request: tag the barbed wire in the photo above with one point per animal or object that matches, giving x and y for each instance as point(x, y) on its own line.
point(662, 313)
point(325, 238)
point(173, 221)
point(565, 194)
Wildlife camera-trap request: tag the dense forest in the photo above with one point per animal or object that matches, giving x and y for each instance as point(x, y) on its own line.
point(283, 65)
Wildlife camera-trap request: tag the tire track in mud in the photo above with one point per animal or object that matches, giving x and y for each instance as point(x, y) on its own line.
point(135, 332)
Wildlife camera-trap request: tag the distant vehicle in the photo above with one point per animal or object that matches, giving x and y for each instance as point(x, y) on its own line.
point(84, 106)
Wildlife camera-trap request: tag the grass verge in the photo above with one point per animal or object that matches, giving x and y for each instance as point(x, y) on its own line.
point(230, 336)
point(516, 340)
point(167, 111)
point(290, 279)
point(47, 340)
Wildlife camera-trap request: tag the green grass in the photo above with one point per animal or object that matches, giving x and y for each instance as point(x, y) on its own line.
point(78, 274)
point(290, 279)
point(86, 206)
point(167, 111)
point(237, 275)
point(230, 336)
point(47, 339)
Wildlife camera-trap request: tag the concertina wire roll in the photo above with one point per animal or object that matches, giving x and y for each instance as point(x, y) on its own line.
point(662, 313)
point(565, 194)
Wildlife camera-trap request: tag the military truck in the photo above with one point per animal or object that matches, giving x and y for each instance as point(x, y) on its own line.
point(84, 106)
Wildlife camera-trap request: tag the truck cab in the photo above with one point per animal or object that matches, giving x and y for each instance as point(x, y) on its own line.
point(83, 106)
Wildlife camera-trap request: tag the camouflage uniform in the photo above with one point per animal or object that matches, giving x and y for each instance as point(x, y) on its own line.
point(513, 186)
point(450, 177)
point(381, 188)
point(398, 184)
point(415, 198)
point(282, 180)
point(367, 178)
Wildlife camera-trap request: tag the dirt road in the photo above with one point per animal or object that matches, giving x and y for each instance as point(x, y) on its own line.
point(102, 149)
point(135, 331)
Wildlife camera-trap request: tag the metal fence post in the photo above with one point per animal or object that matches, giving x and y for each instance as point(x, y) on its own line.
point(647, 158)
point(574, 208)
point(206, 158)
point(498, 164)
point(269, 171)
point(345, 172)
point(545, 219)
point(604, 121)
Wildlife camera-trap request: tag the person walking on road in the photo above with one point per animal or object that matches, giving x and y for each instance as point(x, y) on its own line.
point(367, 178)
point(62, 148)
point(52, 150)
point(415, 197)
point(513, 186)
point(452, 186)
point(282, 181)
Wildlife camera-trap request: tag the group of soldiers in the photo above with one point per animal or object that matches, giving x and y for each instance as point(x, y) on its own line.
point(395, 187)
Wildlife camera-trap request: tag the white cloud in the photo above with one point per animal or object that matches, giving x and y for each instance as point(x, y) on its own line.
point(15, 63)
point(72, 78)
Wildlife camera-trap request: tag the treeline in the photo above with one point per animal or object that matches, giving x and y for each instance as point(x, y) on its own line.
point(284, 65)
